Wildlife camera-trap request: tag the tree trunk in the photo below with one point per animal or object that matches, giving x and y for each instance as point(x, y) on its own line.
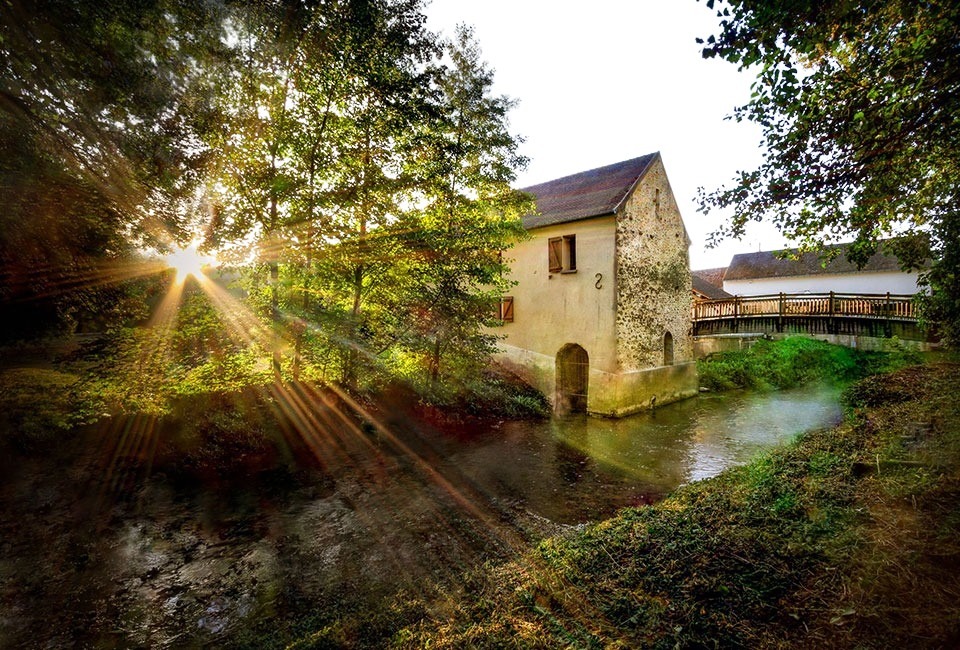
point(274, 267)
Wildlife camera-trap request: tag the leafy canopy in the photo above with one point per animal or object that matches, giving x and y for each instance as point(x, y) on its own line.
point(859, 103)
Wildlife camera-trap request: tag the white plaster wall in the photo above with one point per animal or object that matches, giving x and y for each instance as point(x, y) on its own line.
point(893, 281)
point(553, 309)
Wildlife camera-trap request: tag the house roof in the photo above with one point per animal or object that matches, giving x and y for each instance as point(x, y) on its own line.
point(706, 289)
point(592, 193)
point(713, 276)
point(766, 264)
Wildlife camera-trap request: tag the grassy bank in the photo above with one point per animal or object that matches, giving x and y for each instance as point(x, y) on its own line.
point(797, 360)
point(850, 537)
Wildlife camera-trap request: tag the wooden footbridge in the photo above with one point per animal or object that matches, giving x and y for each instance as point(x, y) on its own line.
point(879, 315)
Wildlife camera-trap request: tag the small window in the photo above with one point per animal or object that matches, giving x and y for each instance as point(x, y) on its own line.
point(667, 349)
point(505, 309)
point(562, 253)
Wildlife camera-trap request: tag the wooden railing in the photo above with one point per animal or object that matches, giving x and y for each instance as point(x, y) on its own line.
point(784, 305)
point(881, 315)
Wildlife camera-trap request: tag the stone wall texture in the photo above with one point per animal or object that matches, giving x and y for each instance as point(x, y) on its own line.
point(653, 276)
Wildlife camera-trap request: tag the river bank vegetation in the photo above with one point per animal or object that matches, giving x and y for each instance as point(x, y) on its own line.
point(846, 538)
point(796, 360)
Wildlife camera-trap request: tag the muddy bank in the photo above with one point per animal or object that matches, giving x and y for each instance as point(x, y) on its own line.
point(234, 524)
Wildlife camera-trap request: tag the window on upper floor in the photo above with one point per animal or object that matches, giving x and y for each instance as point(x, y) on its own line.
point(562, 253)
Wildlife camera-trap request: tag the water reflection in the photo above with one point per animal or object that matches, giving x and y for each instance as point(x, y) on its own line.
point(580, 468)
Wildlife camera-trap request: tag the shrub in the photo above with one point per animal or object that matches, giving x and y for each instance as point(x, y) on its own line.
point(39, 405)
point(797, 360)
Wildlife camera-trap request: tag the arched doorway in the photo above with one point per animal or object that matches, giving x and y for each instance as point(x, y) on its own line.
point(667, 349)
point(573, 368)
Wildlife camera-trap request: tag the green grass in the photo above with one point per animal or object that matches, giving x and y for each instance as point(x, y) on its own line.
point(797, 360)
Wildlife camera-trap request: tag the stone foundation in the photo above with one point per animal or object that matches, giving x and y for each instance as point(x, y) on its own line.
point(608, 394)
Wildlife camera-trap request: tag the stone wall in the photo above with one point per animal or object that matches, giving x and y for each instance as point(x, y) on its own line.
point(608, 394)
point(653, 276)
point(626, 393)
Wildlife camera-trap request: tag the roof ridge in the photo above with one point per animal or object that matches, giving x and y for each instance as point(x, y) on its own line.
point(601, 168)
point(591, 193)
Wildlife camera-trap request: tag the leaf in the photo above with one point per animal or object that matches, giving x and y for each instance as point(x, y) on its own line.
point(842, 617)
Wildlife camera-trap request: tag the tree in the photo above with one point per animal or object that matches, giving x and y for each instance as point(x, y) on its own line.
point(860, 109)
point(101, 104)
point(311, 145)
point(469, 216)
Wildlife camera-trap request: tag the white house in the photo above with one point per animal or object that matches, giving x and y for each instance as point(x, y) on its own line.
point(766, 272)
point(599, 319)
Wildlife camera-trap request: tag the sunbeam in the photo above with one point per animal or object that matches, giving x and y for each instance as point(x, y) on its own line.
point(188, 261)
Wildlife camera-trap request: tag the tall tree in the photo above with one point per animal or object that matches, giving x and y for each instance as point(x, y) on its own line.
point(470, 213)
point(315, 120)
point(860, 108)
point(389, 89)
point(257, 171)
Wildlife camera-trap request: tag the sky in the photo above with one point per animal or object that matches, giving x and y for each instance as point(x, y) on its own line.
point(602, 81)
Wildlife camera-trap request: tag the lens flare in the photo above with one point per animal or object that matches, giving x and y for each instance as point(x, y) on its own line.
point(188, 261)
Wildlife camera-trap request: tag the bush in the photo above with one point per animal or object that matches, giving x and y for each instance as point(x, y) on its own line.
point(39, 405)
point(494, 393)
point(220, 433)
point(797, 360)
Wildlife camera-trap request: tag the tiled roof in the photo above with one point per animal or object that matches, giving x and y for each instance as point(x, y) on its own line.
point(592, 193)
point(713, 276)
point(706, 289)
point(766, 264)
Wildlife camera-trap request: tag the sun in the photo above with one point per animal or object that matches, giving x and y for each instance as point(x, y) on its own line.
point(188, 261)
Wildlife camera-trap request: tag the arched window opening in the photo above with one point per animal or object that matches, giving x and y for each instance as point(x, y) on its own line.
point(667, 349)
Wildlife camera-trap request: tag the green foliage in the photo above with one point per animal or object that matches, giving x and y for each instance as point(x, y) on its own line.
point(360, 161)
point(797, 360)
point(859, 106)
point(226, 373)
point(102, 104)
point(377, 188)
point(222, 433)
point(481, 392)
point(38, 406)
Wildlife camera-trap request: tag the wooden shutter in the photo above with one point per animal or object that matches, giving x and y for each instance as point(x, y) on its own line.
point(506, 309)
point(555, 247)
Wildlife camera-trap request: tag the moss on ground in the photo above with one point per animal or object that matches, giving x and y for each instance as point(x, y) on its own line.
point(848, 538)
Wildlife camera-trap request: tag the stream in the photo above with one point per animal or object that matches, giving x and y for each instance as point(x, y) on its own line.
point(90, 556)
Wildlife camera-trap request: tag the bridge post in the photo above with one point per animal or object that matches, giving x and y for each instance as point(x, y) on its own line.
point(736, 314)
point(887, 323)
point(832, 323)
point(780, 316)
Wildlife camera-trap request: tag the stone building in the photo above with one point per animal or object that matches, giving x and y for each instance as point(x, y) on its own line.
point(599, 319)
